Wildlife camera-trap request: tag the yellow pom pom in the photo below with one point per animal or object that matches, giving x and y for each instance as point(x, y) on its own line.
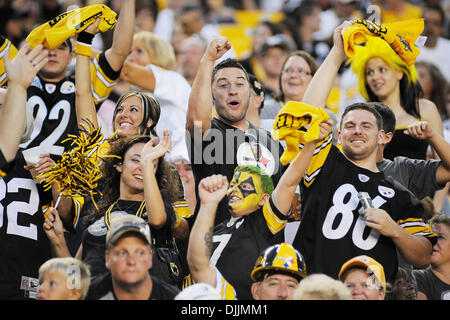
point(78, 173)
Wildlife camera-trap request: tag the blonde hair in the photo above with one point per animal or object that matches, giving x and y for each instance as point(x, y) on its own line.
point(160, 51)
point(323, 287)
point(68, 267)
point(440, 219)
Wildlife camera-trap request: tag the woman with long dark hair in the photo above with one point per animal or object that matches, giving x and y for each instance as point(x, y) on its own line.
point(137, 181)
point(136, 113)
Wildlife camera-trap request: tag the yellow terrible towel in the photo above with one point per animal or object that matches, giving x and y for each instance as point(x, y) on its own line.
point(401, 36)
point(5, 45)
point(288, 125)
point(54, 32)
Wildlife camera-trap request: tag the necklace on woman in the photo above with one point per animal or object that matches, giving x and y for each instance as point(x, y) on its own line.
point(139, 213)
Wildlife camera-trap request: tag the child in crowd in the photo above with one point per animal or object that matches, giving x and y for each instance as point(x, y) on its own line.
point(63, 279)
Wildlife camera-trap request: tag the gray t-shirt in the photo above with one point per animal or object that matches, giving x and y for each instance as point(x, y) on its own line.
point(419, 176)
point(433, 287)
point(270, 109)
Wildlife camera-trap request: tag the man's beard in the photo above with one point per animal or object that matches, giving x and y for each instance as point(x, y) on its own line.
point(360, 154)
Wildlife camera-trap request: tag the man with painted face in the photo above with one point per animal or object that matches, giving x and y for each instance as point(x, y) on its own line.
point(258, 213)
point(226, 140)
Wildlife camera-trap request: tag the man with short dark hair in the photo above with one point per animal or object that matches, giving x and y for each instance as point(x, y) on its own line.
point(218, 144)
point(336, 222)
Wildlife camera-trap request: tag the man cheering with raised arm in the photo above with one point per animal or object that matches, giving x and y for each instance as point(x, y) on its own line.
point(219, 144)
point(335, 226)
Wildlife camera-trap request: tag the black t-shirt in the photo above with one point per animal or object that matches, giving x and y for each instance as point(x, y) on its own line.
point(53, 106)
point(238, 242)
point(433, 287)
point(225, 147)
point(94, 238)
point(332, 231)
point(24, 246)
point(405, 145)
point(101, 288)
point(3, 161)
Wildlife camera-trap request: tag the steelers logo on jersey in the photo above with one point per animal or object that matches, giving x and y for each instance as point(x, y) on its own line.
point(99, 228)
point(256, 154)
point(386, 192)
point(67, 87)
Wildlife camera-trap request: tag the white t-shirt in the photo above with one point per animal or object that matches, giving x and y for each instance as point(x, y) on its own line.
point(438, 56)
point(172, 91)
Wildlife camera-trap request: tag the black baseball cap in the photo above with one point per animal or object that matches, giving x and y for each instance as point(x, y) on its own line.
point(257, 86)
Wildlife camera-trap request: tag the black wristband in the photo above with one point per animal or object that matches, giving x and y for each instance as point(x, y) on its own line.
point(85, 37)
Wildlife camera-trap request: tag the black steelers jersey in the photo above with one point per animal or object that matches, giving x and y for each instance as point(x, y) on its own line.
point(24, 246)
point(224, 148)
point(3, 162)
point(332, 231)
point(53, 106)
point(94, 237)
point(5, 46)
point(238, 242)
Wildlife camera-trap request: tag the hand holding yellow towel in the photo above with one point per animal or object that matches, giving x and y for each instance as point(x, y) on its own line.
point(5, 45)
point(401, 36)
point(290, 126)
point(54, 32)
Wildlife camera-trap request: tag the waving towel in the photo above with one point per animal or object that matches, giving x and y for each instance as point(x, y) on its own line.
point(290, 126)
point(54, 32)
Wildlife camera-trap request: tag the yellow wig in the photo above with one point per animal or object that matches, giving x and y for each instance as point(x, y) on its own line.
point(392, 42)
point(377, 47)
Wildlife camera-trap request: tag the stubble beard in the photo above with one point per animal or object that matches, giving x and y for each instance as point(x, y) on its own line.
point(224, 114)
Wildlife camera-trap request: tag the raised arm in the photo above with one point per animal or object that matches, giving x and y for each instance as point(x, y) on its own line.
point(140, 76)
point(157, 216)
point(84, 102)
point(200, 100)
point(211, 191)
point(321, 84)
point(123, 35)
point(284, 192)
point(433, 134)
point(424, 131)
point(21, 72)
point(54, 230)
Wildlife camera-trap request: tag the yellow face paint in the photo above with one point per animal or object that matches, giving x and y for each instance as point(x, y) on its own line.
point(244, 193)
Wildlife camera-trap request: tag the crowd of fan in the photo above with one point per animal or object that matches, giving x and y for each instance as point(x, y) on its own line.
point(164, 71)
